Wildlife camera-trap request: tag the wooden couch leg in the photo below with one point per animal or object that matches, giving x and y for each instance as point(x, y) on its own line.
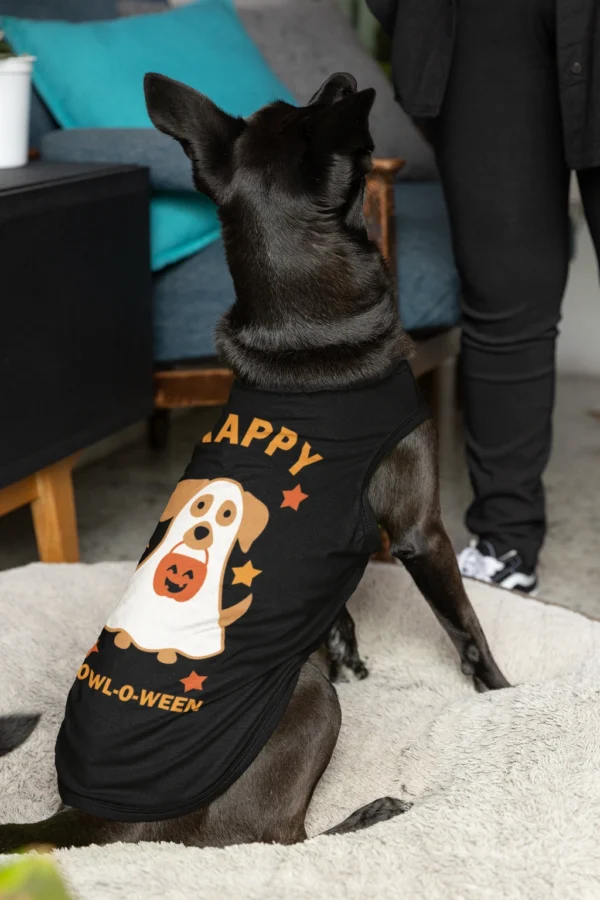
point(53, 511)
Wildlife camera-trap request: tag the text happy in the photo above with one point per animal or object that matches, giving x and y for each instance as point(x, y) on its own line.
point(260, 430)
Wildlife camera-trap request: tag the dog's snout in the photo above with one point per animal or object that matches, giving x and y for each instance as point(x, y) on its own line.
point(199, 537)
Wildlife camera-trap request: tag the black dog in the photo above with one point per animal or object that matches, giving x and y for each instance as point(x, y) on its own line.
point(315, 309)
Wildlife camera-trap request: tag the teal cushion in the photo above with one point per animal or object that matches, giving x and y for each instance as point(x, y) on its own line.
point(174, 226)
point(91, 74)
point(428, 280)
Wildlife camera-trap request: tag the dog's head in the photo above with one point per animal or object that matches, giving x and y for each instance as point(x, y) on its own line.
point(290, 184)
point(317, 153)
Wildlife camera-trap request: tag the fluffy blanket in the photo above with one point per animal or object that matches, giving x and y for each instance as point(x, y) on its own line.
point(505, 786)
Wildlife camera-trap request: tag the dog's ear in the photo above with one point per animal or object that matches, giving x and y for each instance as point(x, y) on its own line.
point(254, 521)
point(334, 88)
point(343, 127)
point(206, 133)
point(182, 494)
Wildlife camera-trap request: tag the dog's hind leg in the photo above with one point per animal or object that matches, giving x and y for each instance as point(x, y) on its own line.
point(378, 811)
point(404, 495)
point(67, 828)
point(268, 802)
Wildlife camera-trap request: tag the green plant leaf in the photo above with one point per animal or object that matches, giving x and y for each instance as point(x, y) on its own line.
point(5, 48)
point(32, 878)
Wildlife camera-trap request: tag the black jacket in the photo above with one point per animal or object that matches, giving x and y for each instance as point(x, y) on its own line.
point(422, 32)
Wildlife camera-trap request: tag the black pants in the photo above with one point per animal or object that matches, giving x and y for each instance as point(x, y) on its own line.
point(500, 153)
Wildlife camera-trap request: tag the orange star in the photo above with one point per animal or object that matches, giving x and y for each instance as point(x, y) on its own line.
point(293, 498)
point(93, 650)
point(193, 682)
point(244, 574)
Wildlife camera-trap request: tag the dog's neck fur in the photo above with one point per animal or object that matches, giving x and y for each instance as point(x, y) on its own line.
point(315, 305)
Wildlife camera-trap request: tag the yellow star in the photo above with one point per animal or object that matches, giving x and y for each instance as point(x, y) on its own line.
point(244, 574)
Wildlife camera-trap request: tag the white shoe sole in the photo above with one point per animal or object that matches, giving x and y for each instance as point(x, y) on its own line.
point(506, 586)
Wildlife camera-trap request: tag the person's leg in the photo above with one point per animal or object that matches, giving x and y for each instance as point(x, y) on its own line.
point(499, 146)
point(589, 188)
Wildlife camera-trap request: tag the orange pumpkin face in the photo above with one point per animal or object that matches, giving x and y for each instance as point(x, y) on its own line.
point(179, 577)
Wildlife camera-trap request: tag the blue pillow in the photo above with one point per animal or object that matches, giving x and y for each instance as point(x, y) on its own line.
point(90, 75)
point(175, 222)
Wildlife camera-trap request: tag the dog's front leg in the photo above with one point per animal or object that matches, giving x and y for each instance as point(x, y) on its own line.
point(341, 645)
point(430, 559)
point(404, 495)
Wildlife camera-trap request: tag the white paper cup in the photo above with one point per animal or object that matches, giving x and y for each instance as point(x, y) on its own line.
point(15, 103)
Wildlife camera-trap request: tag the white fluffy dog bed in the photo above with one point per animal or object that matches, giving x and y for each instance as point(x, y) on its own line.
point(505, 786)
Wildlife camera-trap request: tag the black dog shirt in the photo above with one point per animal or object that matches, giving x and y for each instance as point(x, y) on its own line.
point(262, 543)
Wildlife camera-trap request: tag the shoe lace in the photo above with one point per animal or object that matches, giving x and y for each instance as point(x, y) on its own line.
point(475, 564)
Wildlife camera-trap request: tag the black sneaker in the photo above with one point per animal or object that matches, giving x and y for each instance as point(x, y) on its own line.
point(479, 561)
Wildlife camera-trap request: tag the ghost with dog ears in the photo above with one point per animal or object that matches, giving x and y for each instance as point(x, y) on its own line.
point(173, 603)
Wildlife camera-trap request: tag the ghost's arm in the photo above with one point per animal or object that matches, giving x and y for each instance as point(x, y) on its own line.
point(233, 613)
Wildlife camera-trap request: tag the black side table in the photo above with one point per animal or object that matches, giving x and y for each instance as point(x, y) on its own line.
point(75, 330)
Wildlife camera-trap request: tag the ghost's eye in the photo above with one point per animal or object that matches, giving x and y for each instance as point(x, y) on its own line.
point(227, 513)
point(202, 505)
point(172, 569)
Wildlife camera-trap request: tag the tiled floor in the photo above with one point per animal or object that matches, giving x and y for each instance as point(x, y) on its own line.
point(120, 498)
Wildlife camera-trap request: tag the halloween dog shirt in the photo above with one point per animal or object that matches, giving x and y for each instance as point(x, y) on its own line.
point(261, 544)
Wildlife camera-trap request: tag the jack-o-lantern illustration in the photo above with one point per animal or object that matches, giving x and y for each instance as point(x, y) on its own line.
point(179, 577)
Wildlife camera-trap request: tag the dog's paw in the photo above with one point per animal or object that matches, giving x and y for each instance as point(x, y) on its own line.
point(480, 687)
point(347, 672)
point(345, 664)
point(485, 673)
point(378, 811)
